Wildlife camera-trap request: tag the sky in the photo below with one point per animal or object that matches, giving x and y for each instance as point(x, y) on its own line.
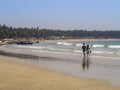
point(61, 14)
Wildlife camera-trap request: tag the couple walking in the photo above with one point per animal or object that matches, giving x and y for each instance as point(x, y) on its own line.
point(86, 49)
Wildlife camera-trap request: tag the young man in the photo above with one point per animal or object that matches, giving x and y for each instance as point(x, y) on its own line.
point(84, 49)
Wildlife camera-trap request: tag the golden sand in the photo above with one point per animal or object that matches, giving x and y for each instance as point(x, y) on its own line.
point(20, 76)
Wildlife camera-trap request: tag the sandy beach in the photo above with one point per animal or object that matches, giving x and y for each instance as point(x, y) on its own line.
point(21, 76)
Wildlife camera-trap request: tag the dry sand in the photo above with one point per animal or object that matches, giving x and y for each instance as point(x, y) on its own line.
point(20, 76)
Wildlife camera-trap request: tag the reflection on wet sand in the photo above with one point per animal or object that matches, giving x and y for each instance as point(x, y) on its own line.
point(85, 63)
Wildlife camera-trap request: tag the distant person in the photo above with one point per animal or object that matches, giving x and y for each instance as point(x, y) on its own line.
point(84, 49)
point(88, 51)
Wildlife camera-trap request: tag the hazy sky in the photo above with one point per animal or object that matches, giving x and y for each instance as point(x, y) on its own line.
point(61, 14)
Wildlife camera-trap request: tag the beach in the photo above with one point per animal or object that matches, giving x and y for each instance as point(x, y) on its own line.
point(16, 75)
point(60, 65)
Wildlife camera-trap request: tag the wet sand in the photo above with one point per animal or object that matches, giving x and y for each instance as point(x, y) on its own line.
point(94, 67)
point(15, 75)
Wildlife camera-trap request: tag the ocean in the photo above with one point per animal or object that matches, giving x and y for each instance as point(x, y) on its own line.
point(100, 48)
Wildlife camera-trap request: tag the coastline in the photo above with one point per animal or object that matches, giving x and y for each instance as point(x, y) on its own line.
point(16, 75)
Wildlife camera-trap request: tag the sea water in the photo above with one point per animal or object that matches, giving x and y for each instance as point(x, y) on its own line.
point(108, 47)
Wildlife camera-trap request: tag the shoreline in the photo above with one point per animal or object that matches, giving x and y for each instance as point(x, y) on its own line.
point(17, 75)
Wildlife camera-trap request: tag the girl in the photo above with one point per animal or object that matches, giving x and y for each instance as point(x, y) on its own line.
point(88, 51)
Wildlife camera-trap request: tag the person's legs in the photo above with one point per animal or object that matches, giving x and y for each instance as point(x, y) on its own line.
point(87, 52)
point(84, 53)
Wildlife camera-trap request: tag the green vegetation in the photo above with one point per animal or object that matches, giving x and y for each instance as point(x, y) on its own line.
point(10, 32)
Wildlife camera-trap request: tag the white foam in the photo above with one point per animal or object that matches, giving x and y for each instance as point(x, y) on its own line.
point(34, 47)
point(79, 44)
point(64, 43)
point(59, 43)
point(114, 46)
point(98, 45)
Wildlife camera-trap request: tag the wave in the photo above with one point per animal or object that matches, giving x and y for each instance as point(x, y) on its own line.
point(33, 47)
point(79, 44)
point(64, 43)
point(114, 46)
point(105, 46)
point(73, 49)
point(98, 45)
point(43, 48)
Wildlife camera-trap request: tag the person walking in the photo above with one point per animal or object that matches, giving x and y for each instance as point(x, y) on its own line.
point(84, 49)
point(88, 51)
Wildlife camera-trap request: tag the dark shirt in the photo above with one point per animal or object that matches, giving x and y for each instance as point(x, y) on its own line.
point(83, 48)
